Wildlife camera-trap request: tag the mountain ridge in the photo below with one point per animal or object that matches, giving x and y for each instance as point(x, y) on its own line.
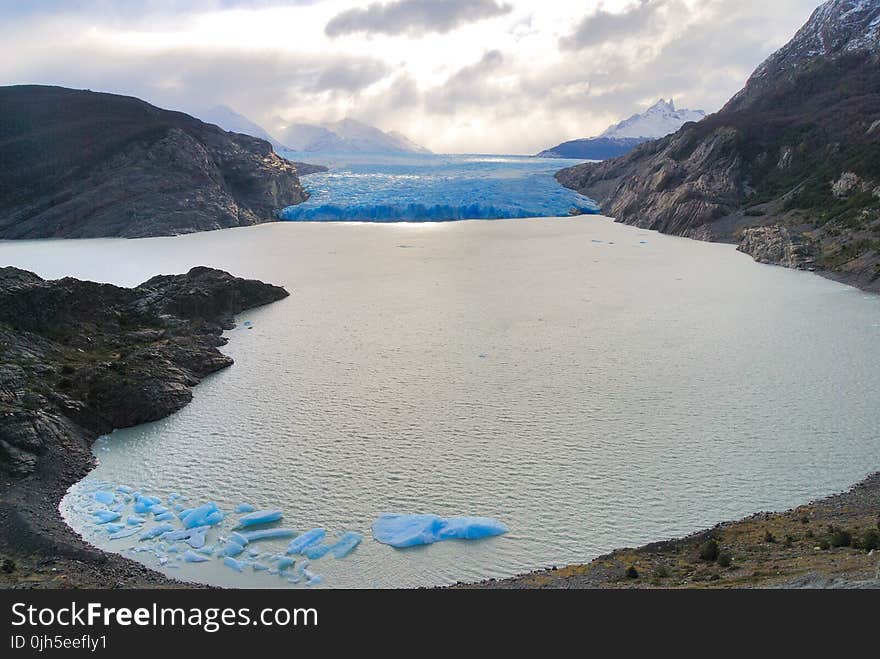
point(659, 120)
point(789, 169)
point(83, 164)
point(346, 136)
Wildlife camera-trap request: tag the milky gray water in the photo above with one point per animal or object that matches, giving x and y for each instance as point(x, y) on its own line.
point(589, 384)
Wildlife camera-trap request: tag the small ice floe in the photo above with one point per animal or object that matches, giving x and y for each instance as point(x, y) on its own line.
point(283, 563)
point(306, 540)
point(259, 567)
point(114, 528)
point(264, 534)
point(192, 557)
point(143, 504)
point(127, 533)
point(244, 508)
point(194, 537)
point(238, 566)
point(231, 548)
point(411, 530)
point(134, 520)
point(207, 514)
point(346, 544)
point(105, 516)
point(259, 517)
point(164, 517)
point(124, 489)
point(156, 531)
point(102, 496)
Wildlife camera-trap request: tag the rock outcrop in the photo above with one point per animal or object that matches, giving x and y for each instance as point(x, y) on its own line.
point(79, 164)
point(79, 359)
point(796, 152)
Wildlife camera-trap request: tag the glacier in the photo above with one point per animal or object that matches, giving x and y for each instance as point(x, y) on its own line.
point(430, 188)
point(411, 530)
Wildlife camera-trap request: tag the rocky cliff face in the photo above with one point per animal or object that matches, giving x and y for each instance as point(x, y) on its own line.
point(796, 153)
point(78, 164)
point(79, 359)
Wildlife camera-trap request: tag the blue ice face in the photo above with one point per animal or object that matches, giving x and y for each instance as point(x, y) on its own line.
point(430, 188)
point(412, 530)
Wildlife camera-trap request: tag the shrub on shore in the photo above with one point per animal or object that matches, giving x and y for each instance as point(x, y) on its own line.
point(709, 551)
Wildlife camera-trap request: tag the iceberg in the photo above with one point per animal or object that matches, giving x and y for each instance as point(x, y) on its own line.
point(205, 515)
point(113, 527)
point(143, 503)
point(134, 520)
point(124, 534)
point(411, 530)
point(192, 557)
point(105, 516)
point(124, 489)
point(265, 534)
point(156, 531)
point(102, 496)
point(238, 566)
point(283, 563)
point(305, 540)
point(259, 567)
point(346, 544)
point(164, 517)
point(231, 549)
point(259, 517)
point(194, 537)
point(244, 508)
point(314, 552)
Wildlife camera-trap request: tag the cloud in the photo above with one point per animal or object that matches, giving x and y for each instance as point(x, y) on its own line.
point(500, 86)
point(413, 17)
point(603, 26)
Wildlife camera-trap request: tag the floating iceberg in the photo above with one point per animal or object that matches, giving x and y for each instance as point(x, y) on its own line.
point(105, 516)
point(192, 557)
point(306, 540)
point(259, 567)
point(411, 530)
point(314, 552)
point(231, 549)
point(124, 489)
point(238, 566)
point(134, 520)
point(259, 517)
point(124, 534)
point(156, 531)
point(283, 563)
point(144, 503)
point(114, 528)
point(244, 508)
point(346, 544)
point(265, 534)
point(205, 515)
point(104, 497)
point(164, 517)
point(195, 537)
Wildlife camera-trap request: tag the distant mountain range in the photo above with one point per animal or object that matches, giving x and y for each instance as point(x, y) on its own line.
point(346, 136)
point(659, 120)
point(789, 168)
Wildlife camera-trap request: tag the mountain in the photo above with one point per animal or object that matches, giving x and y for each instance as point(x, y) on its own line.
point(347, 136)
point(659, 120)
point(789, 168)
point(80, 164)
point(230, 120)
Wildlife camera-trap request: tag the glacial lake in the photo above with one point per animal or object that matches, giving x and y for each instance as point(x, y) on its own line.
point(589, 384)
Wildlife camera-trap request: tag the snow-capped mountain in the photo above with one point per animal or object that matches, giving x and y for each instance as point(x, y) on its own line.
point(835, 29)
point(660, 120)
point(347, 136)
point(230, 120)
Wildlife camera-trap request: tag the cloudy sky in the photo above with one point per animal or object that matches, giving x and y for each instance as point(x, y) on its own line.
point(487, 76)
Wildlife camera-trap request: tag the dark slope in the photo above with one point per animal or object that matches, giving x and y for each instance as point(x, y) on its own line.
point(789, 168)
point(76, 164)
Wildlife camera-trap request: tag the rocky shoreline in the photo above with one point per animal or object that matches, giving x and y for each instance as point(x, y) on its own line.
point(77, 360)
point(830, 543)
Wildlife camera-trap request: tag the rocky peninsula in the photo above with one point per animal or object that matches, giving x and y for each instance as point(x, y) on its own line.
point(81, 164)
point(77, 360)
